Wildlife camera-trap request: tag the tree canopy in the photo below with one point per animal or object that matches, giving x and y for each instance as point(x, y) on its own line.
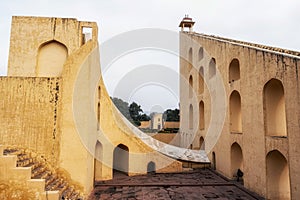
point(132, 112)
point(122, 106)
point(171, 115)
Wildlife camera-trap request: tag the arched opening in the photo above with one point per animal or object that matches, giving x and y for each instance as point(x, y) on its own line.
point(190, 57)
point(121, 159)
point(191, 86)
point(87, 34)
point(235, 112)
point(191, 117)
point(214, 161)
point(212, 68)
point(99, 92)
point(236, 156)
point(234, 70)
point(98, 116)
point(201, 80)
point(51, 58)
point(151, 167)
point(98, 161)
point(278, 180)
point(274, 108)
point(200, 54)
point(201, 143)
point(201, 116)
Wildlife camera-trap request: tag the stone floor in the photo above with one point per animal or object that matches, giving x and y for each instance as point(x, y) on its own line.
point(197, 184)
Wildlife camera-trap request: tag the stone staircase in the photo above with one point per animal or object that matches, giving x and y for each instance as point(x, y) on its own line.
point(40, 171)
point(17, 183)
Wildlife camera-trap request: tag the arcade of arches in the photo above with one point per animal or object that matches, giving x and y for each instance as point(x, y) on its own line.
point(52, 78)
point(260, 100)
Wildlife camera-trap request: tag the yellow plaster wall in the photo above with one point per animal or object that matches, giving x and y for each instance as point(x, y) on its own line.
point(56, 117)
point(257, 66)
point(29, 114)
point(31, 107)
point(80, 165)
point(24, 48)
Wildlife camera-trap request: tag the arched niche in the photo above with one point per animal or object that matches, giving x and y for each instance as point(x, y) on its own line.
point(201, 80)
point(200, 54)
point(274, 108)
point(50, 59)
point(98, 161)
point(234, 70)
point(235, 112)
point(236, 157)
point(191, 117)
point(212, 68)
point(121, 159)
point(191, 84)
point(151, 167)
point(190, 59)
point(201, 116)
point(98, 115)
point(202, 143)
point(278, 179)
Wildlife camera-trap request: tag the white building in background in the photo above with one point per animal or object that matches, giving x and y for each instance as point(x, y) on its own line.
point(157, 121)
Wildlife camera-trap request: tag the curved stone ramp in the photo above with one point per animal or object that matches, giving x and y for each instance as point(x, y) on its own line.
point(113, 129)
point(99, 127)
point(172, 151)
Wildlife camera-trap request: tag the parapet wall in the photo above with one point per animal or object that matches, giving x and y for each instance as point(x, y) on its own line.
point(265, 47)
point(29, 114)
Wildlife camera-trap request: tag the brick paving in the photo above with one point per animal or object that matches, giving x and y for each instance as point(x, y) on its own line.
point(197, 184)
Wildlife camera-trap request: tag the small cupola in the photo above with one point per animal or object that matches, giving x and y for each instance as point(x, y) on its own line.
point(187, 22)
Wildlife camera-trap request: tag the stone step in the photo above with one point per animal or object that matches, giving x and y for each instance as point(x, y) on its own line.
point(50, 195)
point(37, 183)
point(20, 173)
point(39, 174)
point(9, 161)
point(50, 179)
point(24, 162)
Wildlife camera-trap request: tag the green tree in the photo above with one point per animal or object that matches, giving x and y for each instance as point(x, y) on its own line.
point(171, 115)
point(144, 117)
point(132, 112)
point(135, 112)
point(122, 107)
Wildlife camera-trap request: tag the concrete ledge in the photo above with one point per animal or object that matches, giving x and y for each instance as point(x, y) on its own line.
point(38, 184)
point(50, 195)
point(20, 173)
point(9, 161)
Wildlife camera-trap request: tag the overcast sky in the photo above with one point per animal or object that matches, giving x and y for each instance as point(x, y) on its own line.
point(274, 23)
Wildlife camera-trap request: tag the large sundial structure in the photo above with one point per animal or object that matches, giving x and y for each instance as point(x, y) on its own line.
point(242, 104)
point(61, 133)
